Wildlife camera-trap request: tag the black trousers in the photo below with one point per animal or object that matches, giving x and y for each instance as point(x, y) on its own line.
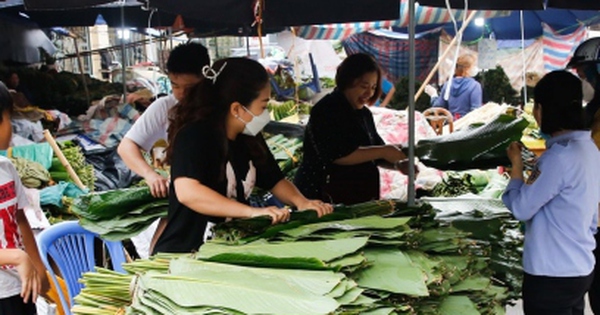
point(594, 293)
point(14, 306)
point(555, 295)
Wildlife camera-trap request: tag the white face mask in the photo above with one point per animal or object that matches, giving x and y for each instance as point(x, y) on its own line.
point(257, 123)
point(473, 71)
point(588, 91)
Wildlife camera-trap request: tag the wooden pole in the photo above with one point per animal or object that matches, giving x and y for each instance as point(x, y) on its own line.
point(63, 160)
point(437, 65)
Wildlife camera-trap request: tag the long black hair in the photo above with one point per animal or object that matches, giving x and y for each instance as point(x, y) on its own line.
point(227, 81)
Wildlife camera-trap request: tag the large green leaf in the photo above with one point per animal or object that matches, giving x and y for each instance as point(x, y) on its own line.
point(380, 311)
point(453, 305)
point(371, 222)
point(249, 298)
point(342, 287)
point(392, 271)
point(478, 283)
point(427, 265)
point(350, 296)
point(352, 260)
point(323, 250)
point(319, 282)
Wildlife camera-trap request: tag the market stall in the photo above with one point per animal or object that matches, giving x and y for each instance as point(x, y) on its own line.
point(456, 251)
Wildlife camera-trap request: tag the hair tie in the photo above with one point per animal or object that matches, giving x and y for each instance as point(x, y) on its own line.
point(211, 74)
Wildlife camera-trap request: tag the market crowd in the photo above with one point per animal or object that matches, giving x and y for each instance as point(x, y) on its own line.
point(212, 124)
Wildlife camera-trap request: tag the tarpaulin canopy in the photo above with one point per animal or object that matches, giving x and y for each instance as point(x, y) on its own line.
point(562, 21)
point(517, 4)
point(221, 17)
point(423, 16)
point(282, 12)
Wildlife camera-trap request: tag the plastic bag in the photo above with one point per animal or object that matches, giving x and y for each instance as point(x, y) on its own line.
point(38, 152)
point(52, 195)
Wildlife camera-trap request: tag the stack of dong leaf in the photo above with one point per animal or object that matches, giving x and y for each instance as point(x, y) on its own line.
point(354, 261)
point(120, 214)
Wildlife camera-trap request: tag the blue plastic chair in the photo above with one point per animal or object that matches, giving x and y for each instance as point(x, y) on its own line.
point(71, 248)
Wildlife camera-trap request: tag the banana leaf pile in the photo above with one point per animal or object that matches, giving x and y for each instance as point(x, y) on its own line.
point(490, 225)
point(407, 262)
point(481, 146)
point(116, 215)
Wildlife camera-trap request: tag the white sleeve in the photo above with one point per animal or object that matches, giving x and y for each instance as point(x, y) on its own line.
point(22, 200)
point(152, 125)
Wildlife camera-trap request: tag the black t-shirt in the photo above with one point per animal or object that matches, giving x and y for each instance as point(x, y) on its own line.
point(335, 130)
point(199, 153)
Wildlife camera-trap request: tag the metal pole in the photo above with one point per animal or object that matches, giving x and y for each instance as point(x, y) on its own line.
point(123, 53)
point(411, 103)
point(248, 46)
point(524, 60)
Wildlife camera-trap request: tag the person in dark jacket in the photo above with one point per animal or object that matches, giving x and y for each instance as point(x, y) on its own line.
point(465, 92)
point(342, 148)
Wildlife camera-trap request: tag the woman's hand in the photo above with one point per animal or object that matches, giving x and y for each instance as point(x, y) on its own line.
point(514, 153)
point(321, 207)
point(159, 186)
point(393, 153)
point(31, 281)
point(404, 167)
point(278, 215)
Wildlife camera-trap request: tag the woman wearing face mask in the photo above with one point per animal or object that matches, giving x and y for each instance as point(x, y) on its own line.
point(217, 156)
point(465, 92)
point(342, 149)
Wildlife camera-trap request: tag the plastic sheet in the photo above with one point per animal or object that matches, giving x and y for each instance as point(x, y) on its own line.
point(110, 170)
point(39, 152)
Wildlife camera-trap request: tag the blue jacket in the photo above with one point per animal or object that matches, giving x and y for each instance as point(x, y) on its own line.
point(465, 96)
point(559, 204)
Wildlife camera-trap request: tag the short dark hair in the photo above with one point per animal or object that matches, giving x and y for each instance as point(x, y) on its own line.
point(560, 96)
point(353, 68)
point(188, 58)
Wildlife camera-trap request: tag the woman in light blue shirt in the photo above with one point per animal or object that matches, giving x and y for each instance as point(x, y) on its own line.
point(558, 202)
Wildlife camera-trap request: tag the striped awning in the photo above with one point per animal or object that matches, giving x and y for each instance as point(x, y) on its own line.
point(424, 15)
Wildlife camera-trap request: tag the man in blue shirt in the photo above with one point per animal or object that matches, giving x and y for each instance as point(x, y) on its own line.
point(558, 202)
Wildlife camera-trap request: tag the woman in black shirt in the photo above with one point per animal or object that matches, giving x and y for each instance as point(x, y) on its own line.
point(342, 148)
point(217, 156)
